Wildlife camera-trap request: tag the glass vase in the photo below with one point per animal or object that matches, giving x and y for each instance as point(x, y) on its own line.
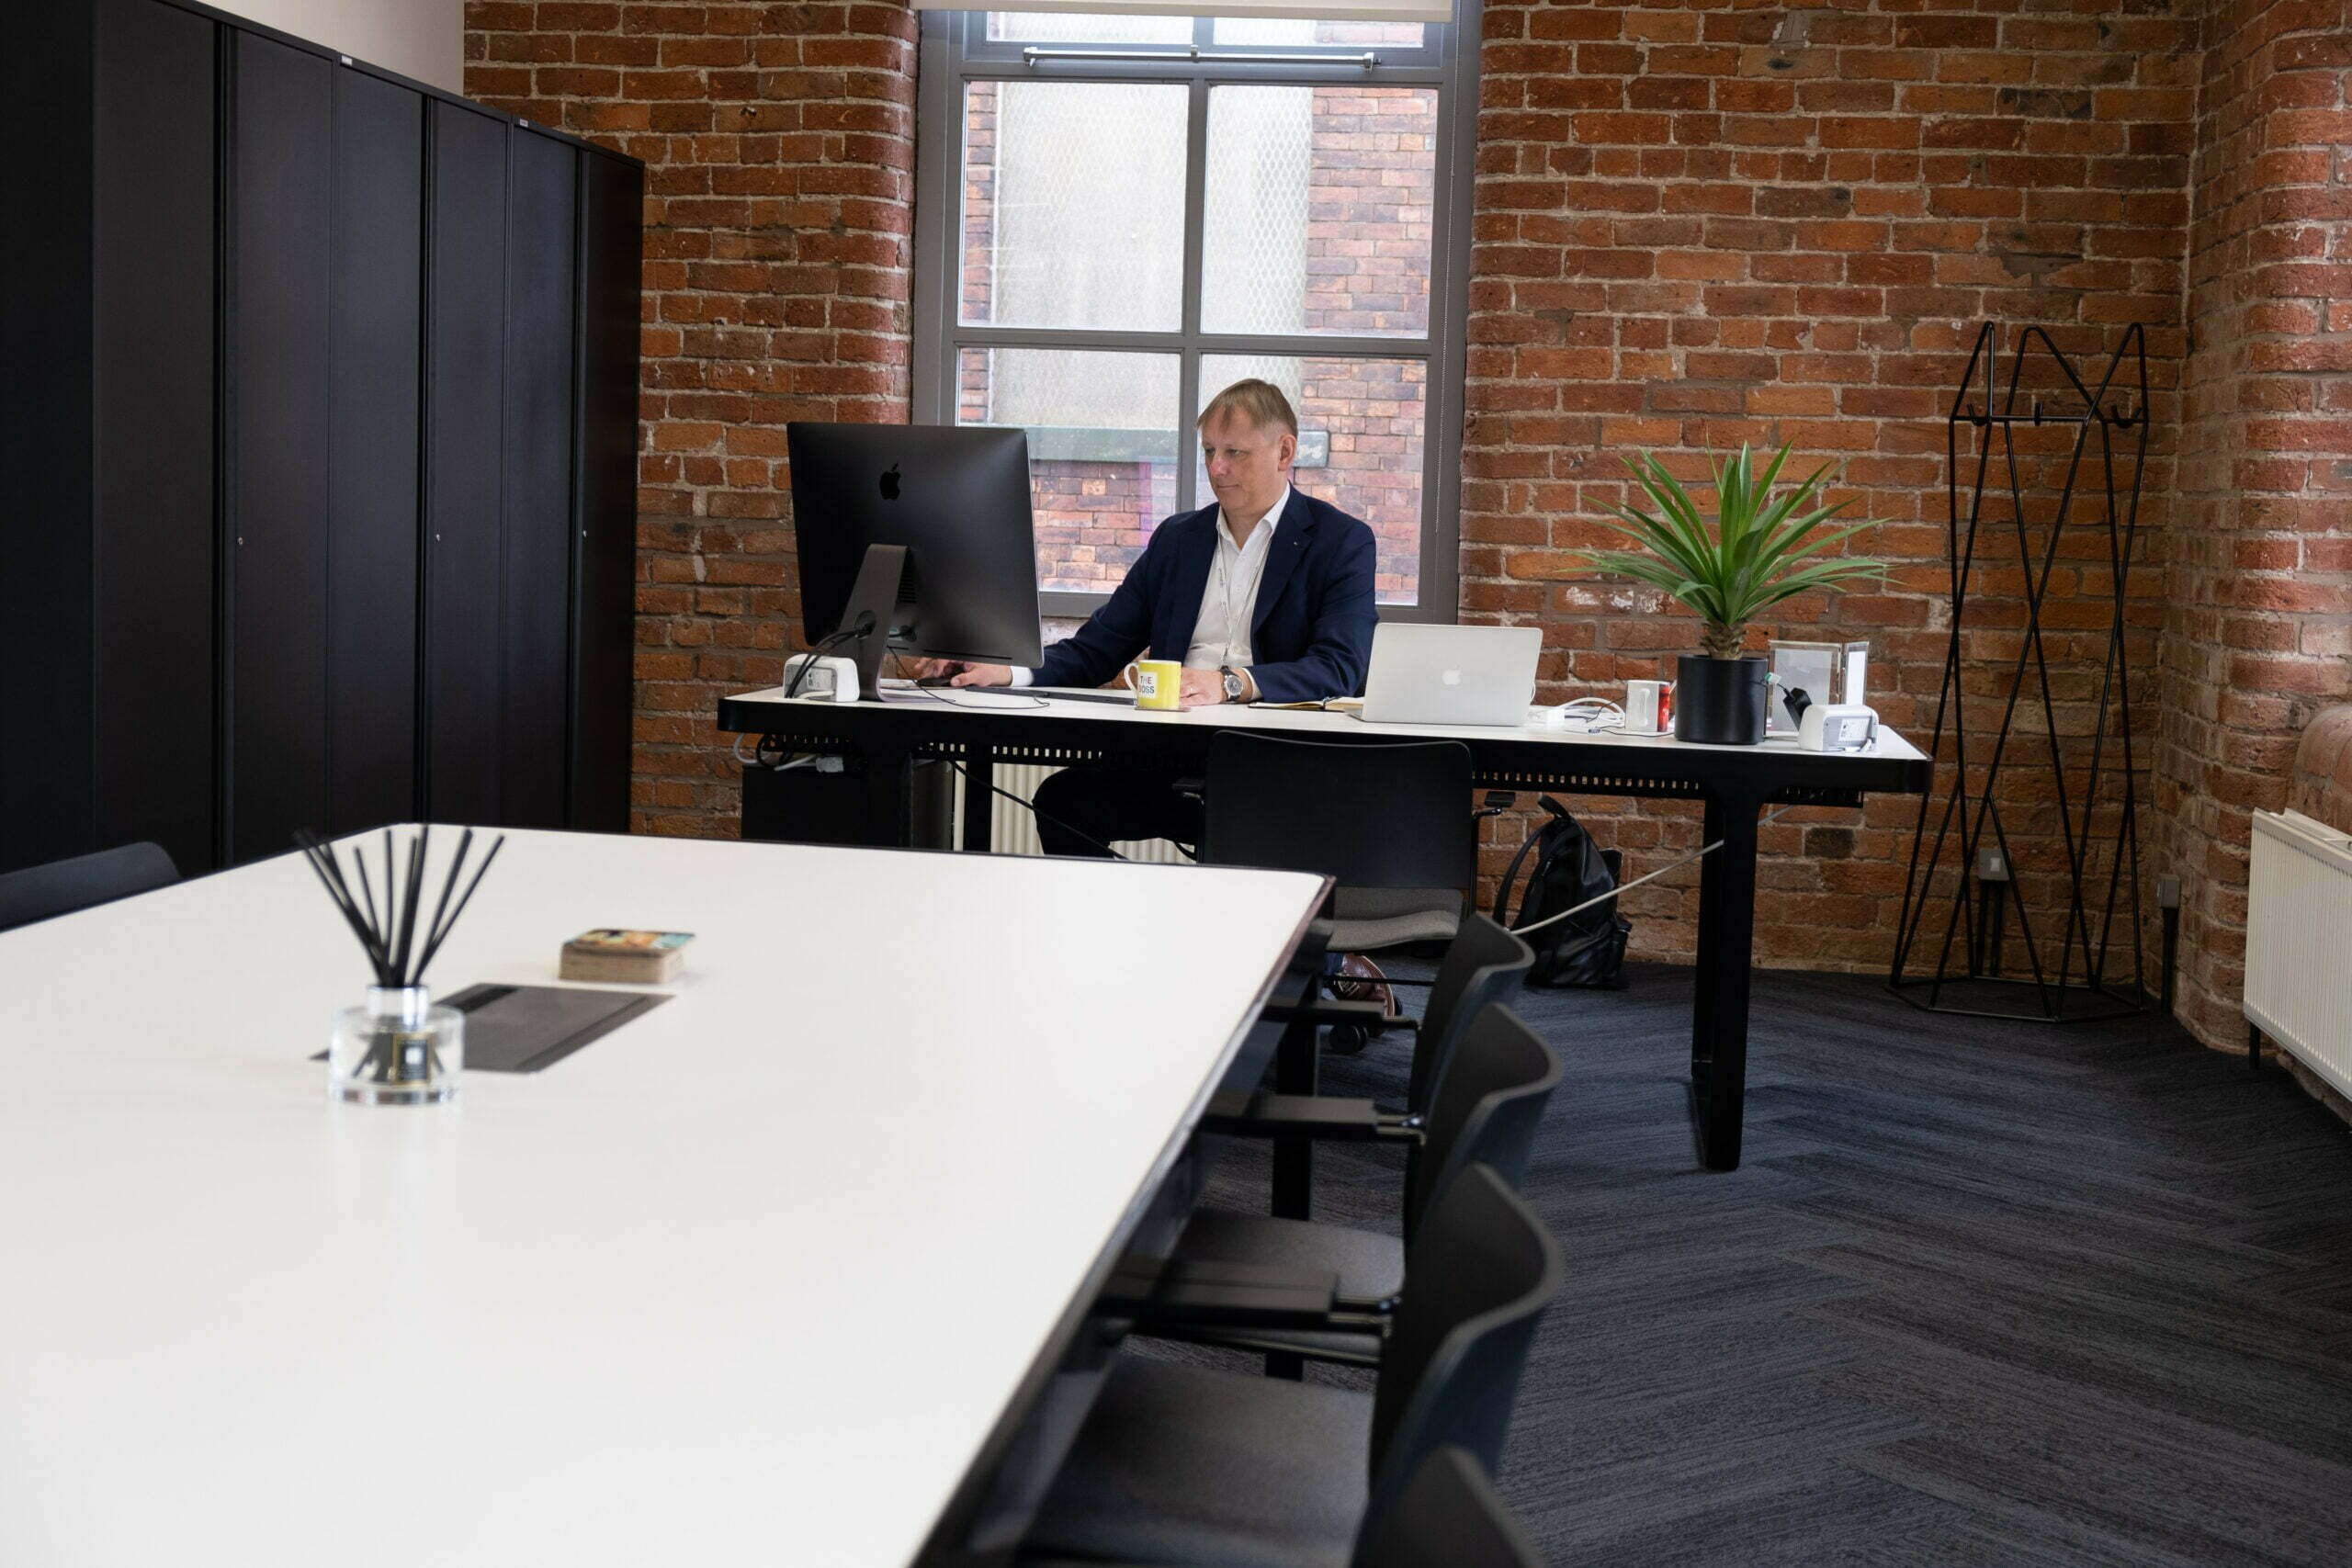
point(397, 1049)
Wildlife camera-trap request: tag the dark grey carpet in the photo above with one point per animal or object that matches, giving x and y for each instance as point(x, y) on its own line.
point(1981, 1292)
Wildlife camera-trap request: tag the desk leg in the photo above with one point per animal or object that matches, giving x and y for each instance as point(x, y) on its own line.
point(1719, 1004)
point(890, 797)
point(980, 800)
point(1297, 1067)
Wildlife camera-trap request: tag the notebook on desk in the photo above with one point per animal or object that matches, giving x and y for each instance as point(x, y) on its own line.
point(1432, 674)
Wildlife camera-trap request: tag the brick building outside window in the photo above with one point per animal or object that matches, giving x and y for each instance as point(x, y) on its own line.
point(1104, 243)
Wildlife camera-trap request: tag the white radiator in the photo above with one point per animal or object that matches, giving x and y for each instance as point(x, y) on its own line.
point(2299, 942)
point(1013, 832)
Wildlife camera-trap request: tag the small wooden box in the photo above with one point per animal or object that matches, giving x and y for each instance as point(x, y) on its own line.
point(629, 957)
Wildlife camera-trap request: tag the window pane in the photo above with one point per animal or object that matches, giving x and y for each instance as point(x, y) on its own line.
point(1360, 433)
point(1073, 205)
point(1320, 201)
point(1103, 450)
point(1274, 33)
point(1055, 26)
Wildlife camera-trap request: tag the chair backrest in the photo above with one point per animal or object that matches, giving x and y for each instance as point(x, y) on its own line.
point(1483, 964)
point(1365, 816)
point(1486, 1110)
point(1477, 1276)
point(1448, 1514)
point(39, 892)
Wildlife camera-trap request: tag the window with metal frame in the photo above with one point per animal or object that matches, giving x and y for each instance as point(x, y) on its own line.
point(1117, 216)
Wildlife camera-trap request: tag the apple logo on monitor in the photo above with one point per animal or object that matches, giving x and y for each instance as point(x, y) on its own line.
point(1452, 678)
point(890, 483)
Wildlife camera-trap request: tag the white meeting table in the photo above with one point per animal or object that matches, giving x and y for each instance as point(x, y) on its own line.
point(763, 1276)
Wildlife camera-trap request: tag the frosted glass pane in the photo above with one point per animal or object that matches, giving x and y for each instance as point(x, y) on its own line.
point(1056, 27)
point(1286, 32)
point(1362, 424)
point(1073, 205)
point(1321, 206)
point(1103, 450)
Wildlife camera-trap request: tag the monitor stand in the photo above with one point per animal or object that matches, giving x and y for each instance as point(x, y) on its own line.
point(875, 590)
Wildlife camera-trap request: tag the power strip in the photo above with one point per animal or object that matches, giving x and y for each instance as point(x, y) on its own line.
point(834, 680)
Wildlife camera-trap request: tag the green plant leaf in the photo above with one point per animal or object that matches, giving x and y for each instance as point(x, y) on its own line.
point(1667, 493)
point(1755, 551)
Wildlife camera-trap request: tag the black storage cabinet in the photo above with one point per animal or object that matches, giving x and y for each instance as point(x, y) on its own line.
point(318, 441)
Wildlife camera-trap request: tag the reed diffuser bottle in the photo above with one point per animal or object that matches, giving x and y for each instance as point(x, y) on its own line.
point(397, 1048)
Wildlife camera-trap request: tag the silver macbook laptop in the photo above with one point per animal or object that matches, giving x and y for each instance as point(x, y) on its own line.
point(1425, 674)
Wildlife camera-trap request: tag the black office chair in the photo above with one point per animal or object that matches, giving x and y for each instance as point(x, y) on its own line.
point(1486, 1108)
point(1483, 964)
point(1390, 824)
point(1182, 1465)
point(1449, 1515)
point(62, 886)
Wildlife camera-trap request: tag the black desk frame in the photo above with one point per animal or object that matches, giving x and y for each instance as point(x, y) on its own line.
point(1734, 784)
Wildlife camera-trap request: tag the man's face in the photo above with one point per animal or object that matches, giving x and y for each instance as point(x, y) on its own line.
point(1248, 465)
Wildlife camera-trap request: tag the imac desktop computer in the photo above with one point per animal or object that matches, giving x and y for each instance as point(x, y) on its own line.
point(916, 536)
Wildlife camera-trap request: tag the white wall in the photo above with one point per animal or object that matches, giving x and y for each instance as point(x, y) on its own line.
point(424, 39)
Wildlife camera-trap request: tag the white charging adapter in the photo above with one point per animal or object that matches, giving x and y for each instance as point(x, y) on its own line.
point(834, 680)
point(1583, 716)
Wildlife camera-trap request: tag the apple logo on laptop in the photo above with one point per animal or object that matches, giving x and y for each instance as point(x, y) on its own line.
point(1452, 678)
point(890, 483)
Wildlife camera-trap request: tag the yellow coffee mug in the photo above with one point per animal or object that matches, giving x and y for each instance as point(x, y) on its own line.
point(1157, 682)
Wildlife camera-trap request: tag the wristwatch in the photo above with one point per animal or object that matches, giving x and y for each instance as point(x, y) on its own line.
point(1236, 688)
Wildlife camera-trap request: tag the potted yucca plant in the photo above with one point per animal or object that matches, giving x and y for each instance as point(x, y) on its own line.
point(1754, 552)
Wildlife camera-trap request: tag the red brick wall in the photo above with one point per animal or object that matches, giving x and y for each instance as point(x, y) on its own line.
point(1696, 224)
point(2323, 777)
point(1714, 223)
point(2258, 636)
point(779, 150)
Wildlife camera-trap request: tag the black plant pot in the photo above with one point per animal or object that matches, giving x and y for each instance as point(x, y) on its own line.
point(1719, 702)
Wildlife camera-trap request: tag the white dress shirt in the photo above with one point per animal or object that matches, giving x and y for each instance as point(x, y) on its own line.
point(1228, 604)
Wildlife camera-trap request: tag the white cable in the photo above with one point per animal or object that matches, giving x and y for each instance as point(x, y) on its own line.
point(1598, 713)
point(1648, 876)
point(754, 760)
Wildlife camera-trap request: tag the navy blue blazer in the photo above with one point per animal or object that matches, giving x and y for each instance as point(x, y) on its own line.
point(1310, 632)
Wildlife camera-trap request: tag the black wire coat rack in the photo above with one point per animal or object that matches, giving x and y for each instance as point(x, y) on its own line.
point(2078, 952)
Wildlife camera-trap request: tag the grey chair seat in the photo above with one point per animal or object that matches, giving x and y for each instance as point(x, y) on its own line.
point(1368, 1264)
point(1393, 930)
point(1449, 1515)
point(1185, 1465)
point(62, 887)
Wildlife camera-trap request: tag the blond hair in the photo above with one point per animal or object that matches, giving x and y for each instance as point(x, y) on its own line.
point(1260, 403)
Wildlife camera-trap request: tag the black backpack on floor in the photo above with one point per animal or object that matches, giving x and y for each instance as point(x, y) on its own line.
point(1587, 949)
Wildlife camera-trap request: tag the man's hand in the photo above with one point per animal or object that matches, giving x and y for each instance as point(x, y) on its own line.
point(1201, 688)
point(964, 674)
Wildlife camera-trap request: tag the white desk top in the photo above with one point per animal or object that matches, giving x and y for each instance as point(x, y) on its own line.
point(747, 1280)
point(1890, 746)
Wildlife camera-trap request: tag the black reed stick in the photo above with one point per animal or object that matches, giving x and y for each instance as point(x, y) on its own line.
point(341, 897)
point(371, 940)
point(399, 944)
point(442, 935)
point(366, 893)
point(416, 851)
point(391, 915)
point(448, 885)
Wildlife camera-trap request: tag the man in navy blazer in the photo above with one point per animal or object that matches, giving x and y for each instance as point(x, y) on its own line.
point(1265, 596)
